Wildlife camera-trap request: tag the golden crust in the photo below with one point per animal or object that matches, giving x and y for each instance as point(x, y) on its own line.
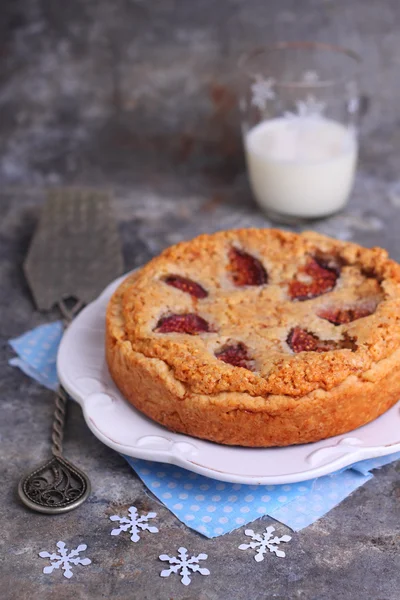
point(290, 398)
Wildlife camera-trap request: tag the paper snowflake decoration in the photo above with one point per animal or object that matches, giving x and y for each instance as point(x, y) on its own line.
point(134, 524)
point(262, 90)
point(183, 565)
point(310, 107)
point(265, 542)
point(65, 559)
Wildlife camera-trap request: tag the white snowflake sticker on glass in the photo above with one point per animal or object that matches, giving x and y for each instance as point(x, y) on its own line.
point(262, 90)
point(353, 99)
point(65, 559)
point(265, 542)
point(184, 565)
point(134, 523)
point(308, 108)
point(310, 77)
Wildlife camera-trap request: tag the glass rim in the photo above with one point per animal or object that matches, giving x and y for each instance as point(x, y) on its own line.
point(246, 57)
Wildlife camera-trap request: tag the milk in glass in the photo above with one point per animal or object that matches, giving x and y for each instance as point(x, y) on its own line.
point(301, 166)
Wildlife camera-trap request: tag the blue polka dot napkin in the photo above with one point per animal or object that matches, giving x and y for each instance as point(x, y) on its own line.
point(215, 507)
point(208, 506)
point(37, 353)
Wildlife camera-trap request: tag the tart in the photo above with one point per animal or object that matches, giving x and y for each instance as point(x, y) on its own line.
point(259, 337)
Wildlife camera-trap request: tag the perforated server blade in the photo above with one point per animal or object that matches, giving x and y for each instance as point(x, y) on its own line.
point(76, 249)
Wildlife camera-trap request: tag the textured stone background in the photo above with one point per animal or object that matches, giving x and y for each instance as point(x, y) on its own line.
point(139, 97)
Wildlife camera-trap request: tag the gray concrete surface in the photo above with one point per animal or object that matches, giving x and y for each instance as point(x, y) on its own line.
point(139, 97)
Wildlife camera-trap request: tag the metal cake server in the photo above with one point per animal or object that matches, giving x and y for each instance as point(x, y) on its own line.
point(74, 254)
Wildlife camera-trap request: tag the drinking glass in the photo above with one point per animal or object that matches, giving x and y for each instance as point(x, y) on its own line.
point(300, 106)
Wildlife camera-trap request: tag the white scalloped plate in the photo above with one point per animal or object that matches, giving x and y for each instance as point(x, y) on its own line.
point(83, 372)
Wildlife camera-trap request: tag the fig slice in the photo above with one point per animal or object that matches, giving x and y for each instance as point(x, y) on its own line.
point(245, 269)
point(189, 323)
